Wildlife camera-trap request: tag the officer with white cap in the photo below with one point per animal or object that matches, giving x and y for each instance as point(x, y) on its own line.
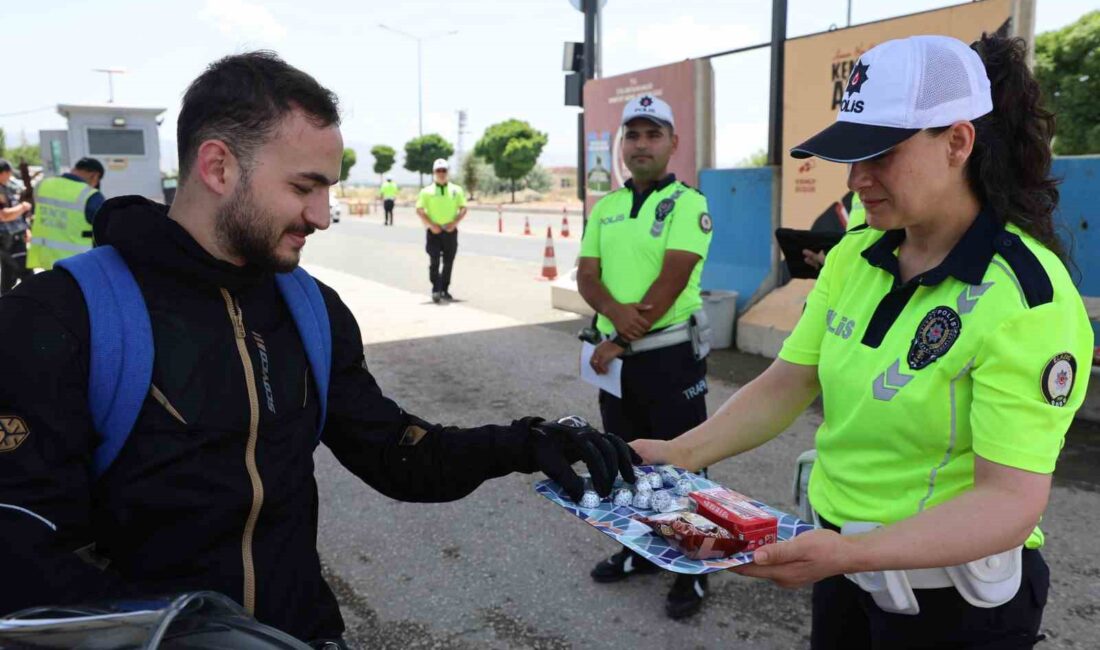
point(440, 206)
point(950, 348)
point(640, 262)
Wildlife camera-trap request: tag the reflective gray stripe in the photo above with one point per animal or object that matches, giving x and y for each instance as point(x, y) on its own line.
point(951, 443)
point(1010, 274)
point(33, 514)
point(61, 245)
point(890, 382)
point(967, 300)
point(77, 206)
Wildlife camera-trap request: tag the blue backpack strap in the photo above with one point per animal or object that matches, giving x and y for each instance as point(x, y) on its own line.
point(307, 306)
point(121, 348)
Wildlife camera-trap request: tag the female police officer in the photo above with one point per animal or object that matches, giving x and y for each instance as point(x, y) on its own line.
point(951, 351)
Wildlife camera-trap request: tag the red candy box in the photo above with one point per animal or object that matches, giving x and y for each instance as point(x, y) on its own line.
point(735, 512)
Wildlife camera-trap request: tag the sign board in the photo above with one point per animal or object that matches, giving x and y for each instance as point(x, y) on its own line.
point(816, 71)
point(688, 87)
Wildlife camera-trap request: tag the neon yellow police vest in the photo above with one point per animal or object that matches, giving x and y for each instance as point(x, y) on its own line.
point(60, 228)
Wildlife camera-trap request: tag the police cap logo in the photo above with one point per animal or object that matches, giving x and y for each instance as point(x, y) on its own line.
point(646, 101)
point(13, 431)
point(858, 78)
point(706, 224)
point(1058, 378)
point(935, 335)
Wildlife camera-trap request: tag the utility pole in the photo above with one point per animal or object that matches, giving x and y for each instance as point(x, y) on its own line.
point(775, 96)
point(1023, 26)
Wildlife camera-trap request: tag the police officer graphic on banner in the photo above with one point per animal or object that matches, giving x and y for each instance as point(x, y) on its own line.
point(640, 262)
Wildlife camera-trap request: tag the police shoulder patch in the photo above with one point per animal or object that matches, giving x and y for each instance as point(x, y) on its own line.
point(706, 224)
point(13, 431)
point(1058, 378)
point(936, 333)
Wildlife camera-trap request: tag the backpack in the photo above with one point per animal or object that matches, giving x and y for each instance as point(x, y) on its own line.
point(121, 348)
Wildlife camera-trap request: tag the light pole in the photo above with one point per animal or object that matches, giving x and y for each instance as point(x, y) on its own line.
point(419, 66)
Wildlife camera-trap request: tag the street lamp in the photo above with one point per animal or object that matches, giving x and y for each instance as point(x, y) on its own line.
point(419, 67)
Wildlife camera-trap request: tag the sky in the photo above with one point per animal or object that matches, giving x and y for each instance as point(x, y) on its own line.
point(503, 61)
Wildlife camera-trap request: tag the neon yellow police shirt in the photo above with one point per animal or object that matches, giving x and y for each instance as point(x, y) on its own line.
point(441, 202)
point(858, 215)
point(631, 249)
point(989, 354)
point(388, 190)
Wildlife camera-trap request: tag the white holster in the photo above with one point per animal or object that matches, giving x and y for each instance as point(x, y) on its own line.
point(986, 582)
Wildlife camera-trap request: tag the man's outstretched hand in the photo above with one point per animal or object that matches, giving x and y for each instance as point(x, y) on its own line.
point(558, 444)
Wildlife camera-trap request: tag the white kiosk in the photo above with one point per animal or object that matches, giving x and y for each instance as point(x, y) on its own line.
point(125, 139)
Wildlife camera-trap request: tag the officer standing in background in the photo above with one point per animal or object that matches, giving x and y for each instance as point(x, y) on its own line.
point(64, 211)
point(13, 231)
point(640, 263)
point(441, 206)
point(389, 194)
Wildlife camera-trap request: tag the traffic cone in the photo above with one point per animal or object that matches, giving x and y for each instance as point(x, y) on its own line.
point(527, 225)
point(500, 218)
point(549, 266)
point(564, 223)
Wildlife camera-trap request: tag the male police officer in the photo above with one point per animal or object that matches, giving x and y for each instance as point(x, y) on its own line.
point(389, 194)
point(640, 263)
point(13, 231)
point(214, 487)
point(64, 212)
point(440, 207)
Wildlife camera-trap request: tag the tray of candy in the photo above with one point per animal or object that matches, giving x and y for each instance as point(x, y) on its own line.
point(618, 522)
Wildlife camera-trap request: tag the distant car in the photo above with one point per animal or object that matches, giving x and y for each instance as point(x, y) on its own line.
point(333, 208)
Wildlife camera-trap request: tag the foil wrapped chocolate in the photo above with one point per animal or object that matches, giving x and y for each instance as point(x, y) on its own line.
point(622, 497)
point(669, 475)
point(643, 486)
point(660, 500)
point(684, 486)
point(590, 500)
point(655, 481)
point(641, 500)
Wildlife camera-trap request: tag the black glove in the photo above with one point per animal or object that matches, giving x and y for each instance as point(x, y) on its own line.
point(559, 444)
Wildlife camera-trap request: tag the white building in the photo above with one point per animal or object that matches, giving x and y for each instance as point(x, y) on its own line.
point(124, 139)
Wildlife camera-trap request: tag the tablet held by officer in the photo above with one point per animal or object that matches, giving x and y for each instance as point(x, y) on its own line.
point(186, 368)
point(640, 262)
point(950, 348)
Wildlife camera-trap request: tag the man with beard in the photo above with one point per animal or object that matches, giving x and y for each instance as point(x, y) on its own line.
point(640, 263)
point(214, 487)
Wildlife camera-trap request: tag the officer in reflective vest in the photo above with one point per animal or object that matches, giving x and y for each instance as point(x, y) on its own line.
point(64, 208)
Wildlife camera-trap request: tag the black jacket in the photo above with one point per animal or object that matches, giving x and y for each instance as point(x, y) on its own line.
point(188, 499)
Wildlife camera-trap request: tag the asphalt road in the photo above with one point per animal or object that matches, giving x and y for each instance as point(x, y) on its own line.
point(504, 568)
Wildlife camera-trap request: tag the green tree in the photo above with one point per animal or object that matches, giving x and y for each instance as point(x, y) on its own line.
point(347, 161)
point(3, 143)
point(384, 157)
point(421, 152)
point(538, 179)
point(473, 172)
point(758, 158)
point(512, 147)
point(27, 152)
point(1067, 64)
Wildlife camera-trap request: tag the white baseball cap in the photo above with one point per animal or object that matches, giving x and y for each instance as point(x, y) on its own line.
point(899, 88)
point(440, 163)
point(649, 107)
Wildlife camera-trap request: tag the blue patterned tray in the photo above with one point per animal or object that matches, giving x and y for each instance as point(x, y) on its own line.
point(618, 523)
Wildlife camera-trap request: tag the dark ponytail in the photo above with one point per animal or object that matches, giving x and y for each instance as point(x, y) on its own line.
point(1009, 169)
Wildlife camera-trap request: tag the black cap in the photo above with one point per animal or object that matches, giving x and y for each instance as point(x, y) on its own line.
point(5, 166)
point(90, 165)
point(849, 142)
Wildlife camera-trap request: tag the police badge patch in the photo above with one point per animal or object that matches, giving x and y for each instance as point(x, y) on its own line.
point(1058, 378)
point(13, 431)
point(706, 224)
point(935, 335)
point(664, 208)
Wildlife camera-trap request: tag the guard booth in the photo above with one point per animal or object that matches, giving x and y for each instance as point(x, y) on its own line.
point(125, 139)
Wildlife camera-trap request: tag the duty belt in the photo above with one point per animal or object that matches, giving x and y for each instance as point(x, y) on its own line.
point(695, 329)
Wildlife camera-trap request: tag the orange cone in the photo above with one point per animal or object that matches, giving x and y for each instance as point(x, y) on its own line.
point(564, 223)
point(549, 266)
point(527, 225)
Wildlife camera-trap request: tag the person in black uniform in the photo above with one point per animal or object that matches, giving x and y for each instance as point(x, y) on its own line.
point(214, 488)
